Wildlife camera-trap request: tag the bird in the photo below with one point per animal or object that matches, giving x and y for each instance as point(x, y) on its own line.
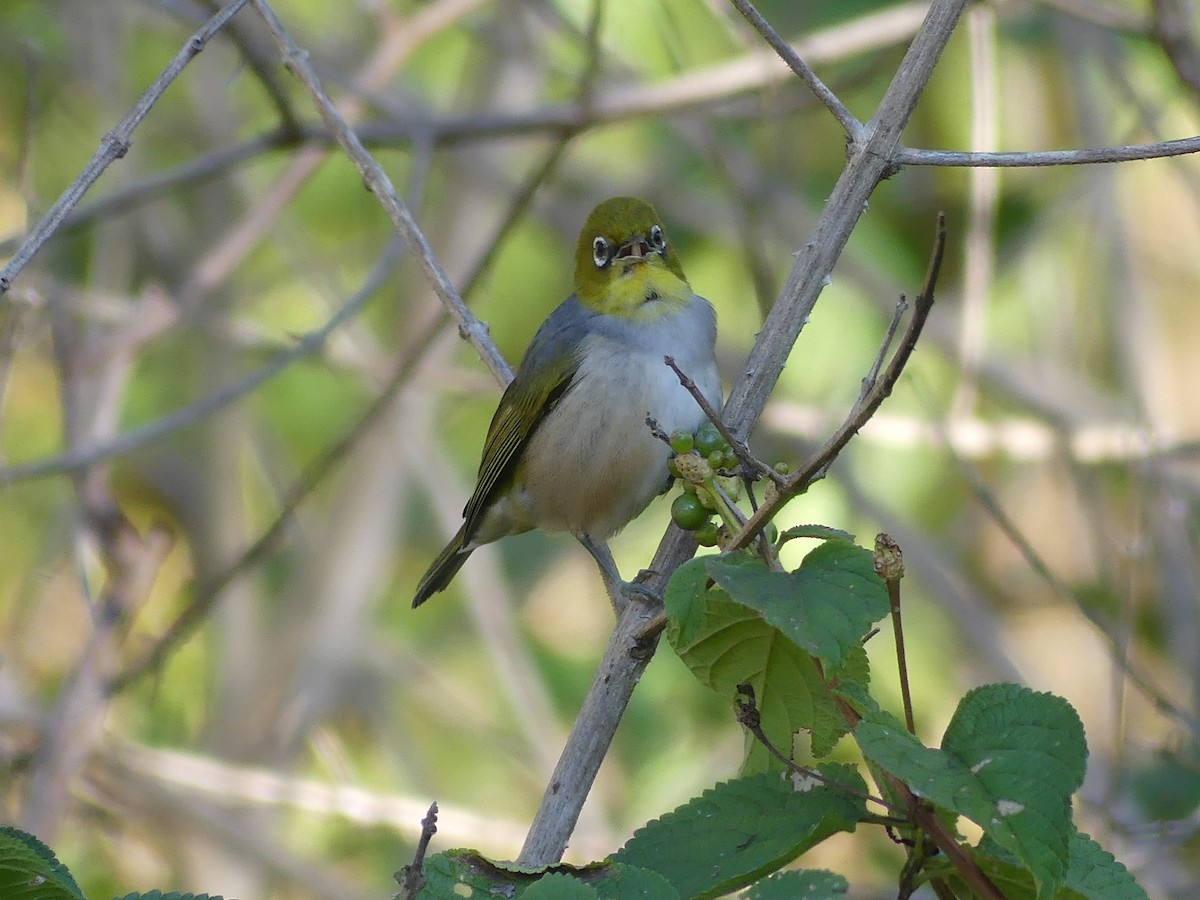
point(569, 448)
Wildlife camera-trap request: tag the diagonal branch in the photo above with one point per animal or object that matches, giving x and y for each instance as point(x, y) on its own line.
point(870, 401)
point(626, 657)
point(113, 146)
point(378, 183)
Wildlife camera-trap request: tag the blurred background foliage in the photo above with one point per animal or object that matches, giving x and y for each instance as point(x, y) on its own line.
point(289, 744)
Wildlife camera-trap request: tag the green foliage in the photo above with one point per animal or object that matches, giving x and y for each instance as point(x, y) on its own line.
point(1168, 786)
point(1092, 873)
point(1010, 760)
point(29, 869)
point(725, 644)
point(825, 607)
point(822, 532)
point(741, 830)
point(800, 884)
point(764, 628)
point(448, 875)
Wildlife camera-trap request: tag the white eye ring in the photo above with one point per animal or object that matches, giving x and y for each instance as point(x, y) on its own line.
point(600, 252)
point(657, 241)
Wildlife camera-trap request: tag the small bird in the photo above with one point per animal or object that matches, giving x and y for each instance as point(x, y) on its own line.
point(569, 448)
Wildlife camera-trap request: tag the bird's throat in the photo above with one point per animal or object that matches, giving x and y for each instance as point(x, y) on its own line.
point(644, 292)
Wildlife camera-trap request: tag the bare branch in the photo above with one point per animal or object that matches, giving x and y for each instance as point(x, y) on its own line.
point(799, 480)
point(626, 656)
point(852, 126)
point(377, 181)
point(78, 458)
point(1179, 147)
point(113, 146)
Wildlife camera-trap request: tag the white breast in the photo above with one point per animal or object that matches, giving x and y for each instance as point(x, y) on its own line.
point(593, 465)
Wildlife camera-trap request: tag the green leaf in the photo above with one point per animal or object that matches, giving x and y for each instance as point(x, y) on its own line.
point(737, 832)
point(30, 871)
point(1010, 761)
point(800, 884)
point(826, 606)
point(725, 644)
point(622, 882)
point(681, 601)
point(1096, 874)
point(852, 680)
point(1092, 873)
point(459, 873)
point(559, 887)
point(821, 532)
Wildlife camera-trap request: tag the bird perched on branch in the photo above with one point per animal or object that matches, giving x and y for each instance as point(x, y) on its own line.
point(569, 448)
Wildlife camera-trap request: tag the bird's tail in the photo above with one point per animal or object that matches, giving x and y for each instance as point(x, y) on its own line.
point(444, 568)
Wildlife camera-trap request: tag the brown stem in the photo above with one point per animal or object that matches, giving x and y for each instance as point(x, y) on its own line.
point(889, 564)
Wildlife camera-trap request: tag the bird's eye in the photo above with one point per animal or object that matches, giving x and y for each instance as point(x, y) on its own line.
point(600, 252)
point(657, 240)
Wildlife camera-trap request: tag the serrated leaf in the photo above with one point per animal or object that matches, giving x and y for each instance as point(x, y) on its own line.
point(1092, 873)
point(1096, 874)
point(826, 606)
point(852, 680)
point(821, 532)
point(800, 884)
point(728, 644)
point(738, 831)
point(29, 869)
point(682, 600)
point(633, 883)
point(1010, 761)
point(455, 874)
point(559, 887)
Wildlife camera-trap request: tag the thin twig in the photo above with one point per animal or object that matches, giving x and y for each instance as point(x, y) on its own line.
point(414, 872)
point(1158, 698)
point(78, 458)
point(889, 565)
point(850, 124)
point(799, 480)
point(207, 594)
point(113, 145)
point(750, 718)
point(908, 156)
point(738, 446)
point(380, 185)
point(885, 346)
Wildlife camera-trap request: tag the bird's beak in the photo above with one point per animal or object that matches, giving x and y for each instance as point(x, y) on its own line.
point(633, 251)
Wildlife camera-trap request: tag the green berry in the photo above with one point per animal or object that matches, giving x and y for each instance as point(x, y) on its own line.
point(687, 512)
point(672, 468)
point(770, 532)
point(682, 441)
point(706, 534)
point(709, 439)
point(783, 468)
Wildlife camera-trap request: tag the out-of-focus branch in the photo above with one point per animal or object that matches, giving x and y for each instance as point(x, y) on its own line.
point(81, 457)
point(377, 181)
point(702, 88)
point(1177, 30)
point(74, 725)
point(852, 126)
point(113, 146)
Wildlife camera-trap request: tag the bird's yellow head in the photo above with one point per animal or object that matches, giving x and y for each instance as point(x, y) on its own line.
point(624, 264)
